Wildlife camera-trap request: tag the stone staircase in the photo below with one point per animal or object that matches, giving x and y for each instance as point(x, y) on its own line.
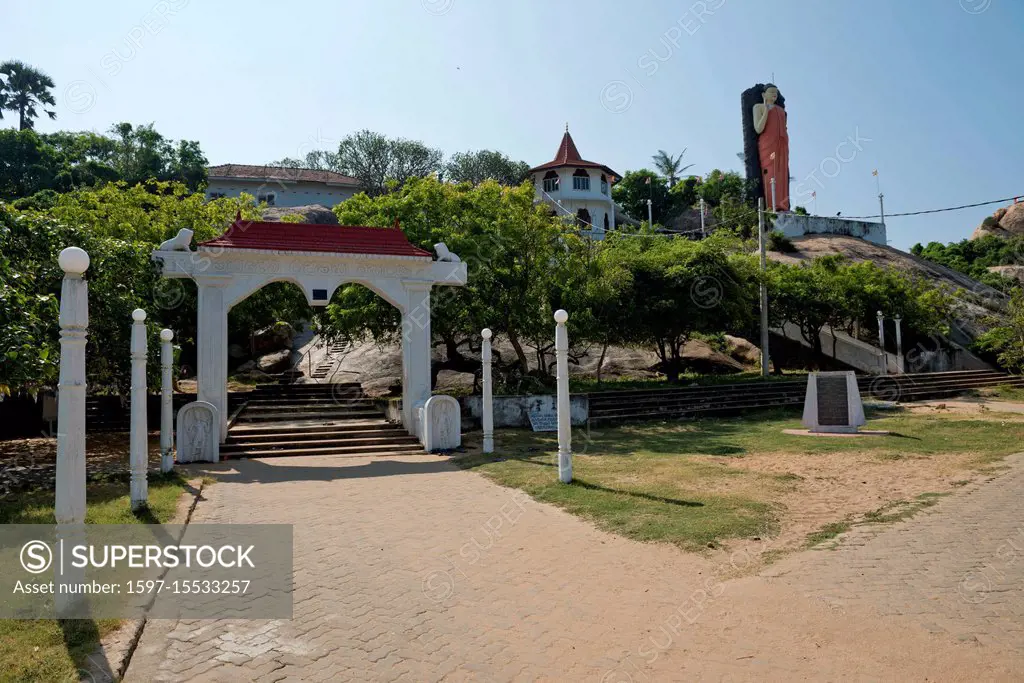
point(684, 402)
point(314, 419)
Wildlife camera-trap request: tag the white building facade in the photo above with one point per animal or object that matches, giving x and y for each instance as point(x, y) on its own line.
point(578, 189)
point(280, 186)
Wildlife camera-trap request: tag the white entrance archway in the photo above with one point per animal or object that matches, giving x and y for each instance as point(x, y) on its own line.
point(319, 259)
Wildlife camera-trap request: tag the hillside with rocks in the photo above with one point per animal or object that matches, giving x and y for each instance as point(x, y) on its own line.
point(976, 303)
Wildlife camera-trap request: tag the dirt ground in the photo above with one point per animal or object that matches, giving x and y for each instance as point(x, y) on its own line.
point(830, 488)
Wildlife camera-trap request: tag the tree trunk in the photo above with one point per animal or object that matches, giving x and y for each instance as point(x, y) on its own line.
point(600, 361)
point(520, 354)
point(22, 122)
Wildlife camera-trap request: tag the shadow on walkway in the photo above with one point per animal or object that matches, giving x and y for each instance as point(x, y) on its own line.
point(280, 470)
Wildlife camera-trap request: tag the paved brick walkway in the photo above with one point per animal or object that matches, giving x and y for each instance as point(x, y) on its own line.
point(408, 569)
point(956, 568)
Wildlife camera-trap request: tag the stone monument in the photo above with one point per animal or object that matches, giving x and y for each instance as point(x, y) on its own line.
point(766, 145)
point(198, 437)
point(442, 424)
point(832, 403)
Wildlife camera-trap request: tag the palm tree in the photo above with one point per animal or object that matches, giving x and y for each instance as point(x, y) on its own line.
point(670, 166)
point(22, 89)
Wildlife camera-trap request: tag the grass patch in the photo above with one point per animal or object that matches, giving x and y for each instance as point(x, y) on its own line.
point(671, 481)
point(1007, 392)
point(52, 650)
point(667, 504)
point(827, 533)
point(896, 511)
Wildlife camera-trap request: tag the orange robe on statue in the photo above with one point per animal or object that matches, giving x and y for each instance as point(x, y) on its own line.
point(774, 139)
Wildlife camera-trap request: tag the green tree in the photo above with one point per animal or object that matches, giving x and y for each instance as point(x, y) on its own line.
point(23, 89)
point(678, 287)
point(685, 192)
point(485, 164)
point(1006, 341)
point(973, 257)
point(806, 295)
point(636, 187)
point(141, 153)
point(28, 165)
point(724, 195)
point(119, 227)
point(515, 253)
point(374, 159)
point(669, 166)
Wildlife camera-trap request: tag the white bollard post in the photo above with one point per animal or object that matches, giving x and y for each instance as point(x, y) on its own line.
point(564, 424)
point(138, 447)
point(166, 401)
point(488, 388)
point(69, 492)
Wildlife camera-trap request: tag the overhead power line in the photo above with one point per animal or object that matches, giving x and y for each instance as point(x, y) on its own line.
point(951, 208)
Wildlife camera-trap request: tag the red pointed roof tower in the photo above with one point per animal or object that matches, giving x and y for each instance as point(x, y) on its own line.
point(568, 155)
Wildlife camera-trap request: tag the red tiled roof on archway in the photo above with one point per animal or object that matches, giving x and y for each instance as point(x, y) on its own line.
point(336, 239)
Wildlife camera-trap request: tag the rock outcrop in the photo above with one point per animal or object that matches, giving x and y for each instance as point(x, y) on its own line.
point(278, 336)
point(275, 362)
point(316, 214)
point(1007, 221)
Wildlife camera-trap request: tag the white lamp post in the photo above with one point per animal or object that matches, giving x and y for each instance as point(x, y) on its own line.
point(138, 447)
point(166, 401)
point(881, 342)
point(899, 344)
point(488, 399)
point(69, 491)
point(564, 425)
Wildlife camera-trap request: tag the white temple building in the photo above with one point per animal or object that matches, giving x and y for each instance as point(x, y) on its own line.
point(577, 188)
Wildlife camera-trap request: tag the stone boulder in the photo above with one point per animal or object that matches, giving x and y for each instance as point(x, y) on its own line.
point(275, 362)
point(316, 214)
point(743, 351)
point(247, 366)
point(278, 336)
point(237, 351)
point(700, 357)
point(1007, 221)
point(1012, 272)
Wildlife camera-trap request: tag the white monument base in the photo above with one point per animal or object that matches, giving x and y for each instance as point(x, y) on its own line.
point(832, 404)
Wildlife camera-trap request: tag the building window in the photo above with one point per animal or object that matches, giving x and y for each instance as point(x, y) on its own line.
point(217, 195)
point(270, 198)
point(551, 182)
point(604, 184)
point(606, 221)
point(581, 180)
point(583, 219)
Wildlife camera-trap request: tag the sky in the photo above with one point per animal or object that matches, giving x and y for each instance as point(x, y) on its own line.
point(928, 92)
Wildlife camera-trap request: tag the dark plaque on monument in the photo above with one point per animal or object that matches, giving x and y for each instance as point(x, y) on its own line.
point(833, 403)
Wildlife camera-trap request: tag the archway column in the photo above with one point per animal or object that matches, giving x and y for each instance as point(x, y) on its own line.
point(416, 352)
point(212, 345)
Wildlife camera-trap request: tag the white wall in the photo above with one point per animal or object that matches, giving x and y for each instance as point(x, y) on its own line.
point(794, 225)
point(594, 201)
point(285, 194)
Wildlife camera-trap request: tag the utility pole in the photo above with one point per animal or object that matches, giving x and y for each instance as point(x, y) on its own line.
point(764, 286)
point(703, 232)
point(773, 194)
